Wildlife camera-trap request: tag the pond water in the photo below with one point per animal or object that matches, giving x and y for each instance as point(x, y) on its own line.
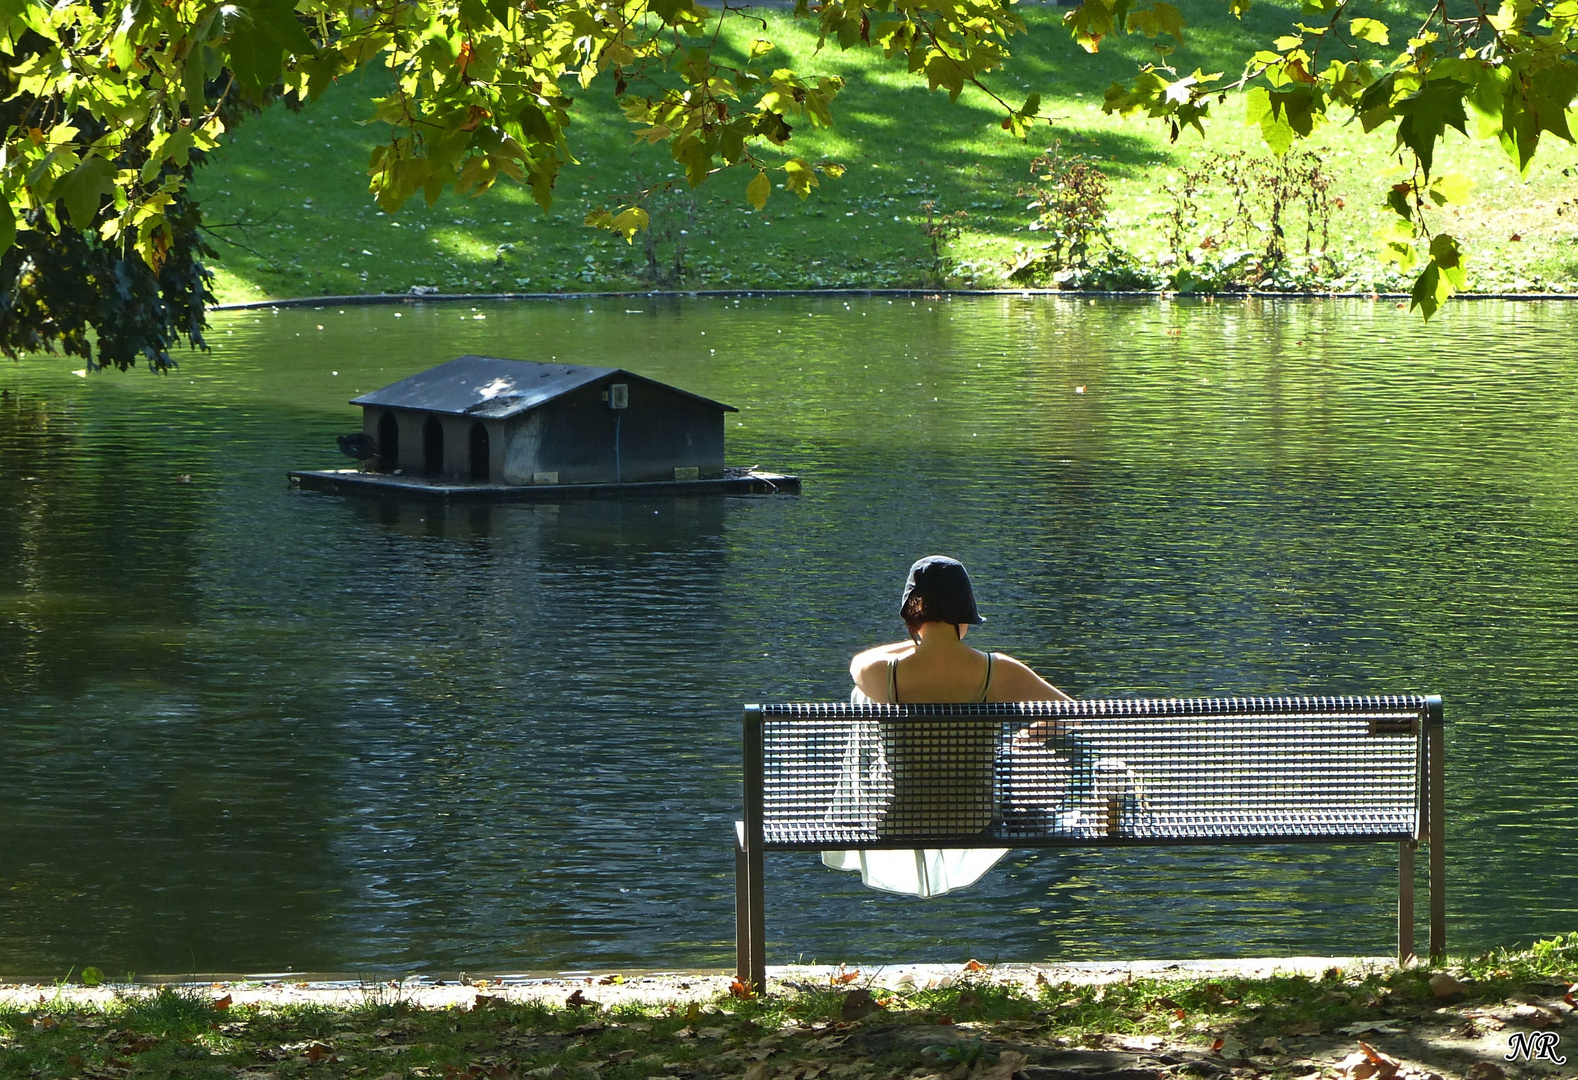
point(248, 728)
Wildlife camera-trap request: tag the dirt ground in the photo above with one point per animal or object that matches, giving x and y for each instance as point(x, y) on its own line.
point(1450, 1033)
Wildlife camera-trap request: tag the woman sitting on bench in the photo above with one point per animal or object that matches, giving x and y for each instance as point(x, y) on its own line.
point(935, 666)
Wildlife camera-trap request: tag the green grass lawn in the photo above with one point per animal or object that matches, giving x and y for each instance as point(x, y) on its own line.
point(289, 198)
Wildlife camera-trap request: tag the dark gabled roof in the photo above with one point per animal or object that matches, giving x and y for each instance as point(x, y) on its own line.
point(496, 388)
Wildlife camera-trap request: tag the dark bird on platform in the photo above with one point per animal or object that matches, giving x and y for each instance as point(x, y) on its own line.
point(361, 446)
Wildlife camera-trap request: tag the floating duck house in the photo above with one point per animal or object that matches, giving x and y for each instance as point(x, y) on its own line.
point(482, 422)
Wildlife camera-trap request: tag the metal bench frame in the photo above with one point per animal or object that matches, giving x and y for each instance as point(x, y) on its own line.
point(751, 841)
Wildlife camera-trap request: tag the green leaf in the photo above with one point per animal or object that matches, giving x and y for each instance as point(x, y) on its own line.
point(1423, 117)
point(1090, 22)
point(760, 47)
point(1257, 105)
point(264, 32)
point(1450, 188)
point(1371, 30)
point(1375, 104)
point(320, 71)
point(84, 189)
point(1169, 19)
point(1397, 200)
point(1430, 291)
point(1445, 253)
point(7, 225)
point(674, 11)
point(1426, 291)
point(1552, 87)
point(1396, 241)
point(535, 124)
point(758, 189)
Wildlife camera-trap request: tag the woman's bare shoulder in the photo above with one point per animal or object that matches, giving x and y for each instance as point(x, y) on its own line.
point(1013, 680)
point(869, 669)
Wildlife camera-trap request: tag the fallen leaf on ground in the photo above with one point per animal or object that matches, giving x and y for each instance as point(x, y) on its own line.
point(1385, 1067)
point(1443, 985)
point(1308, 1027)
point(846, 976)
point(1271, 1044)
point(757, 1070)
point(611, 980)
point(975, 965)
point(1229, 1047)
point(1536, 1016)
point(1356, 1066)
point(490, 1001)
point(740, 990)
point(223, 1003)
point(576, 1000)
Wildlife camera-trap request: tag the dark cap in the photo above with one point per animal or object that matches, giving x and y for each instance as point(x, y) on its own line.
point(938, 590)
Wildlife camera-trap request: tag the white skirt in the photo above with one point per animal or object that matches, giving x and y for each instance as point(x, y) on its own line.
point(916, 872)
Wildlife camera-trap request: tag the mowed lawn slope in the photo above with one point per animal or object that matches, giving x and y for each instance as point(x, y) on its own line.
point(287, 193)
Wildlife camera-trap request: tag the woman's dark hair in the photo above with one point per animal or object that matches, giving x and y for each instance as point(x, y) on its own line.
point(917, 611)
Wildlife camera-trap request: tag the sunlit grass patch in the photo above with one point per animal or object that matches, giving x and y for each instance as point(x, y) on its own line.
point(290, 193)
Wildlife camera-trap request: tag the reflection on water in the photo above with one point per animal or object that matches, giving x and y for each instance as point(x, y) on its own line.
point(248, 727)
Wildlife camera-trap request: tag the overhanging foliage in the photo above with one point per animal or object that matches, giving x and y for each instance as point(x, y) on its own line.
point(110, 106)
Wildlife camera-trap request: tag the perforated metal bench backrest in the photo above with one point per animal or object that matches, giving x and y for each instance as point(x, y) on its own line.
point(1221, 770)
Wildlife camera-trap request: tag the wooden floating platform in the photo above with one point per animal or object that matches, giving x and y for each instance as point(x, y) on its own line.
point(351, 482)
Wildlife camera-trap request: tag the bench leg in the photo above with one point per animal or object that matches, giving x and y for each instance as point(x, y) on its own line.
point(756, 913)
point(1405, 901)
point(1435, 739)
point(750, 915)
point(742, 922)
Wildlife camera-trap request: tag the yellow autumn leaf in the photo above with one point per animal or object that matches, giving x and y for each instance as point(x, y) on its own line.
point(758, 189)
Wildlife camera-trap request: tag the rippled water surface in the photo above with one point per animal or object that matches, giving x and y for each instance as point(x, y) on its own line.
point(249, 728)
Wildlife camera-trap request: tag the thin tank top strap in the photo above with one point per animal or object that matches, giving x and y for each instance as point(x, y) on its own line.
point(893, 682)
point(987, 685)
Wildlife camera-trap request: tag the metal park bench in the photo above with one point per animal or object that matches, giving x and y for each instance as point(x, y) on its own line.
point(1114, 773)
